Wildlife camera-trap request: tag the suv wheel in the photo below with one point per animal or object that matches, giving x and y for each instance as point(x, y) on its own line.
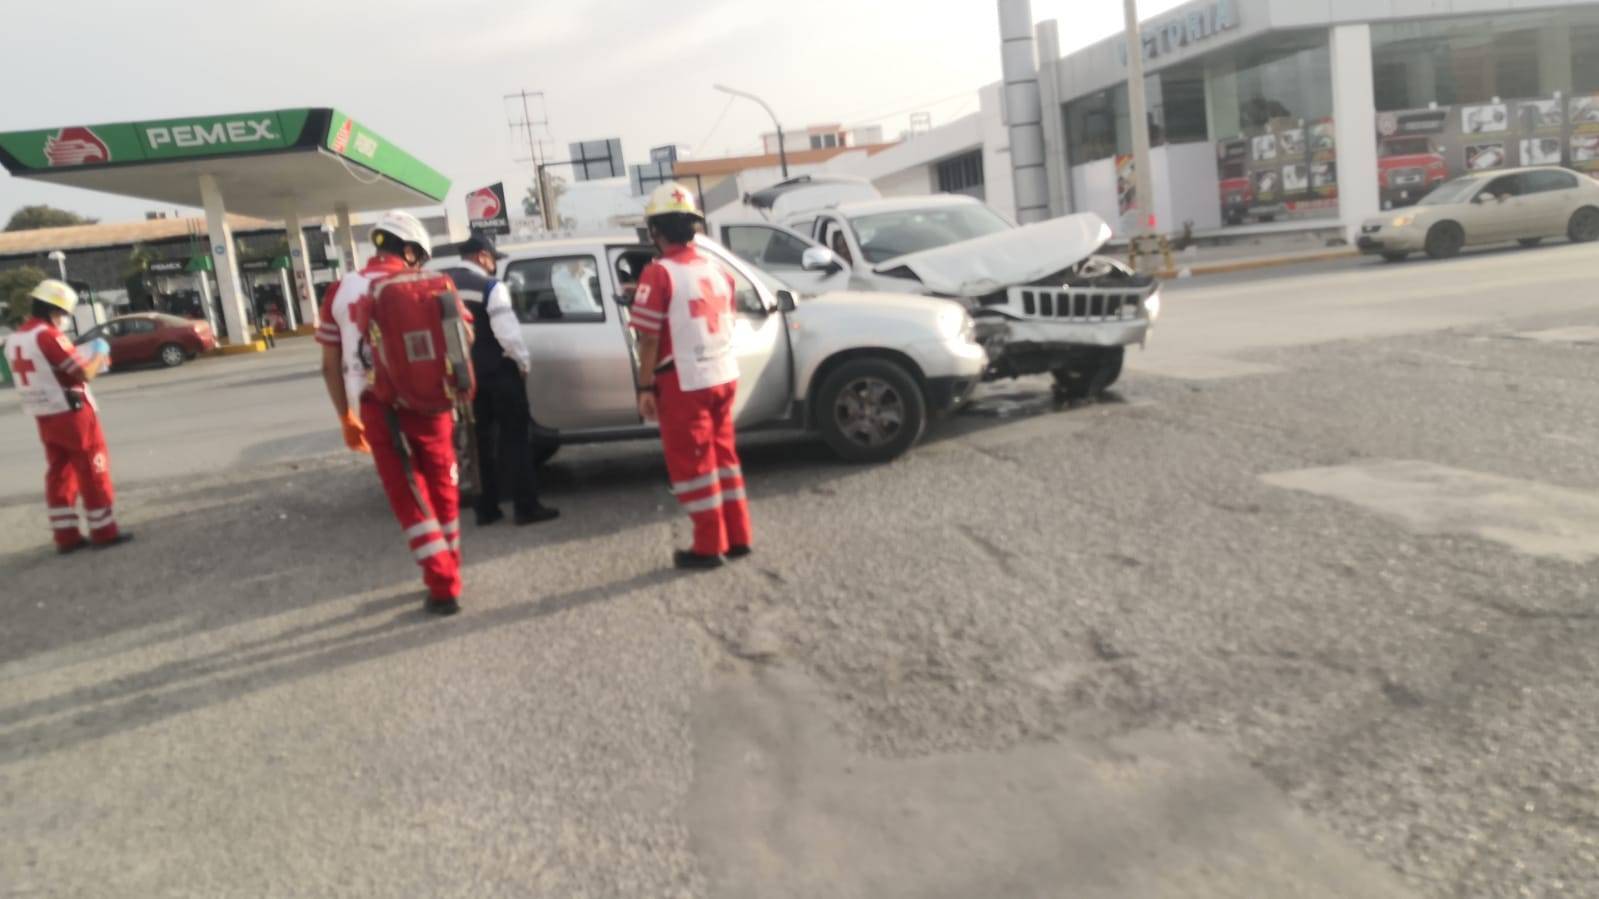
point(1091, 373)
point(1584, 225)
point(173, 355)
point(870, 410)
point(1445, 240)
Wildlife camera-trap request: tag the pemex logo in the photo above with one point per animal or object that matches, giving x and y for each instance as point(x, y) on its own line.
point(482, 204)
point(75, 146)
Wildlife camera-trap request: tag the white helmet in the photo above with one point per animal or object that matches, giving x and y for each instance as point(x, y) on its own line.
point(405, 226)
point(55, 293)
point(670, 198)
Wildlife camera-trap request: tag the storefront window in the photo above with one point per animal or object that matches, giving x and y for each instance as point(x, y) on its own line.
point(1096, 125)
point(1475, 60)
point(1287, 76)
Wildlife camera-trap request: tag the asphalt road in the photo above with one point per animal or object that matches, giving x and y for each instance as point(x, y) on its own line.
point(1309, 610)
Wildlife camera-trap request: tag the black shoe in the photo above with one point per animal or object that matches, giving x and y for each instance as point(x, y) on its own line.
point(740, 552)
point(69, 550)
point(442, 607)
point(693, 561)
point(488, 517)
point(118, 540)
point(537, 515)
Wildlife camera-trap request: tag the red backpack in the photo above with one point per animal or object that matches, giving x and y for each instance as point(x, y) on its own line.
point(417, 332)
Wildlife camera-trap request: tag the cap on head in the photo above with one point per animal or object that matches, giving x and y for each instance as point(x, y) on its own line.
point(56, 293)
point(672, 198)
point(404, 227)
point(480, 243)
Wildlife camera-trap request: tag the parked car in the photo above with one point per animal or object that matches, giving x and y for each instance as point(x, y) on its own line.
point(1042, 301)
point(864, 371)
point(153, 337)
point(1526, 205)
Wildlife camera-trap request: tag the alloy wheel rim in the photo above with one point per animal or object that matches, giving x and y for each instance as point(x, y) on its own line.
point(870, 412)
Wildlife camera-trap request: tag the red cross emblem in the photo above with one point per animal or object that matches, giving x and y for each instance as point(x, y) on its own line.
point(679, 197)
point(22, 367)
point(711, 304)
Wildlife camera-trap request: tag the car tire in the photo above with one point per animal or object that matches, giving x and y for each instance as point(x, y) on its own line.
point(1097, 370)
point(1395, 257)
point(1530, 242)
point(1445, 240)
point(870, 411)
point(1584, 227)
point(172, 355)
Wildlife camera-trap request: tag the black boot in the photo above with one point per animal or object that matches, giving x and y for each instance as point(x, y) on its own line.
point(538, 514)
point(688, 560)
point(442, 607)
point(486, 517)
point(740, 552)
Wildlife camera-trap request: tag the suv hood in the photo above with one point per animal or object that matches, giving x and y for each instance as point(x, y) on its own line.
point(983, 265)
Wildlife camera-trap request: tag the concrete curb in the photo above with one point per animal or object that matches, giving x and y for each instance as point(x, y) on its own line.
point(1247, 265)
point(239, 349)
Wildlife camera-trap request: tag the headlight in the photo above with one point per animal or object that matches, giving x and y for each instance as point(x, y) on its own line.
point(1403, 221)
point(956, 324)
point(1152, 305)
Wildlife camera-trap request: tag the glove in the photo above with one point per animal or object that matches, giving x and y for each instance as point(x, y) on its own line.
point(100, 346)
point(355, 434)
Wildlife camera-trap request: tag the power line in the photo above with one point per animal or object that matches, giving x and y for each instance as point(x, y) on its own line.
point(913, 108)
point(705, 141)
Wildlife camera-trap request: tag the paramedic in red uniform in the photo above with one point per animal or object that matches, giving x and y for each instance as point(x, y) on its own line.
point(428, 506)
point(52, 381)
point(688, 376)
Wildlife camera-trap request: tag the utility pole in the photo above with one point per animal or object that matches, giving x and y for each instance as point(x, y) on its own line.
point(533, 157)
point(1138, 115)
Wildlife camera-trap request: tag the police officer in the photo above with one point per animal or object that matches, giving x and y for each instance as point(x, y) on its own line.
point(52, 381)
point(688, 377)
point(501, 361)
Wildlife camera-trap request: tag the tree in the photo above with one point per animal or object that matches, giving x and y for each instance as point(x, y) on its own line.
point(30, 218)
point(15, 283)
point(532, 208)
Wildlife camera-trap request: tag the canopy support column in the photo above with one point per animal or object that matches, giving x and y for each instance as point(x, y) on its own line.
point(227, 265)
point(344, 238)
point(300, 268)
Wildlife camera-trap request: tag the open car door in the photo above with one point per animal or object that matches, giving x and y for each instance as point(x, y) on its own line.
point(792, 257)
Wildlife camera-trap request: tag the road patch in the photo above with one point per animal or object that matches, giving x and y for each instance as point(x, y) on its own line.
point(1527, 516)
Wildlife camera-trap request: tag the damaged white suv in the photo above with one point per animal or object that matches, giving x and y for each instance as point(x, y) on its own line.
point(1042, 300)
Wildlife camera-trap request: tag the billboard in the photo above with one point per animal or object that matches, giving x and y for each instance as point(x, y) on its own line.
point(595, 159)
point(486, 212)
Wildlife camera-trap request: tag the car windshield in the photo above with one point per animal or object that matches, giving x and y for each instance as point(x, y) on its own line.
point(1406, 146)
point(890, 235)
point(1459, 190)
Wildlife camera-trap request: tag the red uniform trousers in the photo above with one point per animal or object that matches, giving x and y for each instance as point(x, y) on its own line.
point(74, 448)
point(702, 461)
point(428, 505)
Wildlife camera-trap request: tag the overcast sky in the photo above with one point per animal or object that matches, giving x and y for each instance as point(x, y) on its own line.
point(430, 76)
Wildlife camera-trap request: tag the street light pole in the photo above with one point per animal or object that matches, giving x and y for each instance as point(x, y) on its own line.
point(782, 150)
point(1138, 115)
point(60, 259)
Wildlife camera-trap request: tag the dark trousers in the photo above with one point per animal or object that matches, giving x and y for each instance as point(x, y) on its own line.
point(502, 442)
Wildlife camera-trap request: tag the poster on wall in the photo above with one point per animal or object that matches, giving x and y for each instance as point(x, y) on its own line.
point(1323, 160)
point(1126, 185)
point(1289, 169)
point(1493, 118)
point(1585, 133)
point(1483, 157)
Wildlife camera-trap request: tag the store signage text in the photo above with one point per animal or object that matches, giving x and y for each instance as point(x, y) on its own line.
point(246, 131)
point(1194, 27)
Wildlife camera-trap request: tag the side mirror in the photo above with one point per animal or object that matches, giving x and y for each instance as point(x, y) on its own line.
point(821, 259)
point(786, 301)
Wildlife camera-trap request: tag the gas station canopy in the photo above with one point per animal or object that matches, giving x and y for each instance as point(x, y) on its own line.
point(313, 159)
point(286, 163)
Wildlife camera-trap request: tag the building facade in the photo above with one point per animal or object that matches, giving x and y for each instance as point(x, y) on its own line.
point(1304, 113)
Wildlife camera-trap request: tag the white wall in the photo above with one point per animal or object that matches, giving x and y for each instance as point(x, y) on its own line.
point(998, 185)
point(911, 182)
point(1186, 188)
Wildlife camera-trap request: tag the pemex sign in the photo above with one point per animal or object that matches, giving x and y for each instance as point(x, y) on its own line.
point(62, 150)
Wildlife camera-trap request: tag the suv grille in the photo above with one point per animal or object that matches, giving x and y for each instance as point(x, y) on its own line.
point(1082, 304)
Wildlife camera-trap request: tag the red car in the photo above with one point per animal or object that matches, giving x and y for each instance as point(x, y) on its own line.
point(153, 337)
